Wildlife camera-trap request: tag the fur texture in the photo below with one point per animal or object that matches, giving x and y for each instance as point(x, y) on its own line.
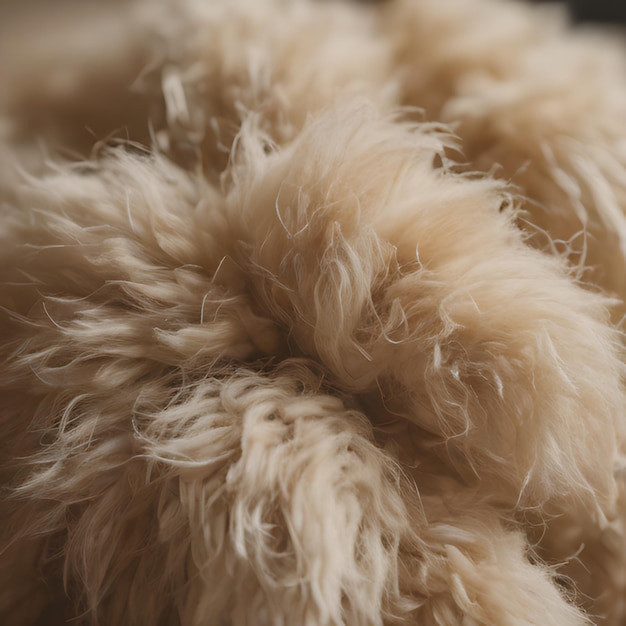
point(324, 336)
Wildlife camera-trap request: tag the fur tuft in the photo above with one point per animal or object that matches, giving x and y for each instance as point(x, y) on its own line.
point(313, 324)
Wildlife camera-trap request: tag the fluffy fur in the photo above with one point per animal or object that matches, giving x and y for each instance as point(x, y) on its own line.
point(286, 353)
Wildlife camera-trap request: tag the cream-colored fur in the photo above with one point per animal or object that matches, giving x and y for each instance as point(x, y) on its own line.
point(306, 316)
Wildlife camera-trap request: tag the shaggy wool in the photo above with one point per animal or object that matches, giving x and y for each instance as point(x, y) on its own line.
point(310, 314)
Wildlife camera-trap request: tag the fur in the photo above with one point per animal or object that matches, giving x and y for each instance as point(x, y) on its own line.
point(327, 335)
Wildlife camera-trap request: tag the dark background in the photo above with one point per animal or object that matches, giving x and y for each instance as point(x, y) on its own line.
point(609, 11)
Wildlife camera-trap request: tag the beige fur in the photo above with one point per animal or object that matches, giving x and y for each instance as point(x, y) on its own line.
point(547, 108)
point(275, 352)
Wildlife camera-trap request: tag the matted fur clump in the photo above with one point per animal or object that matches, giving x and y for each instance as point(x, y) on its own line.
point(310, 314)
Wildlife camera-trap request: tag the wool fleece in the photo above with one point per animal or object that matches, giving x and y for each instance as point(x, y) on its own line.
point(310, 314)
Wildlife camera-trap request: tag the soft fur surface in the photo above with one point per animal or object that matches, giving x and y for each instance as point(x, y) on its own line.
point(310, 314)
